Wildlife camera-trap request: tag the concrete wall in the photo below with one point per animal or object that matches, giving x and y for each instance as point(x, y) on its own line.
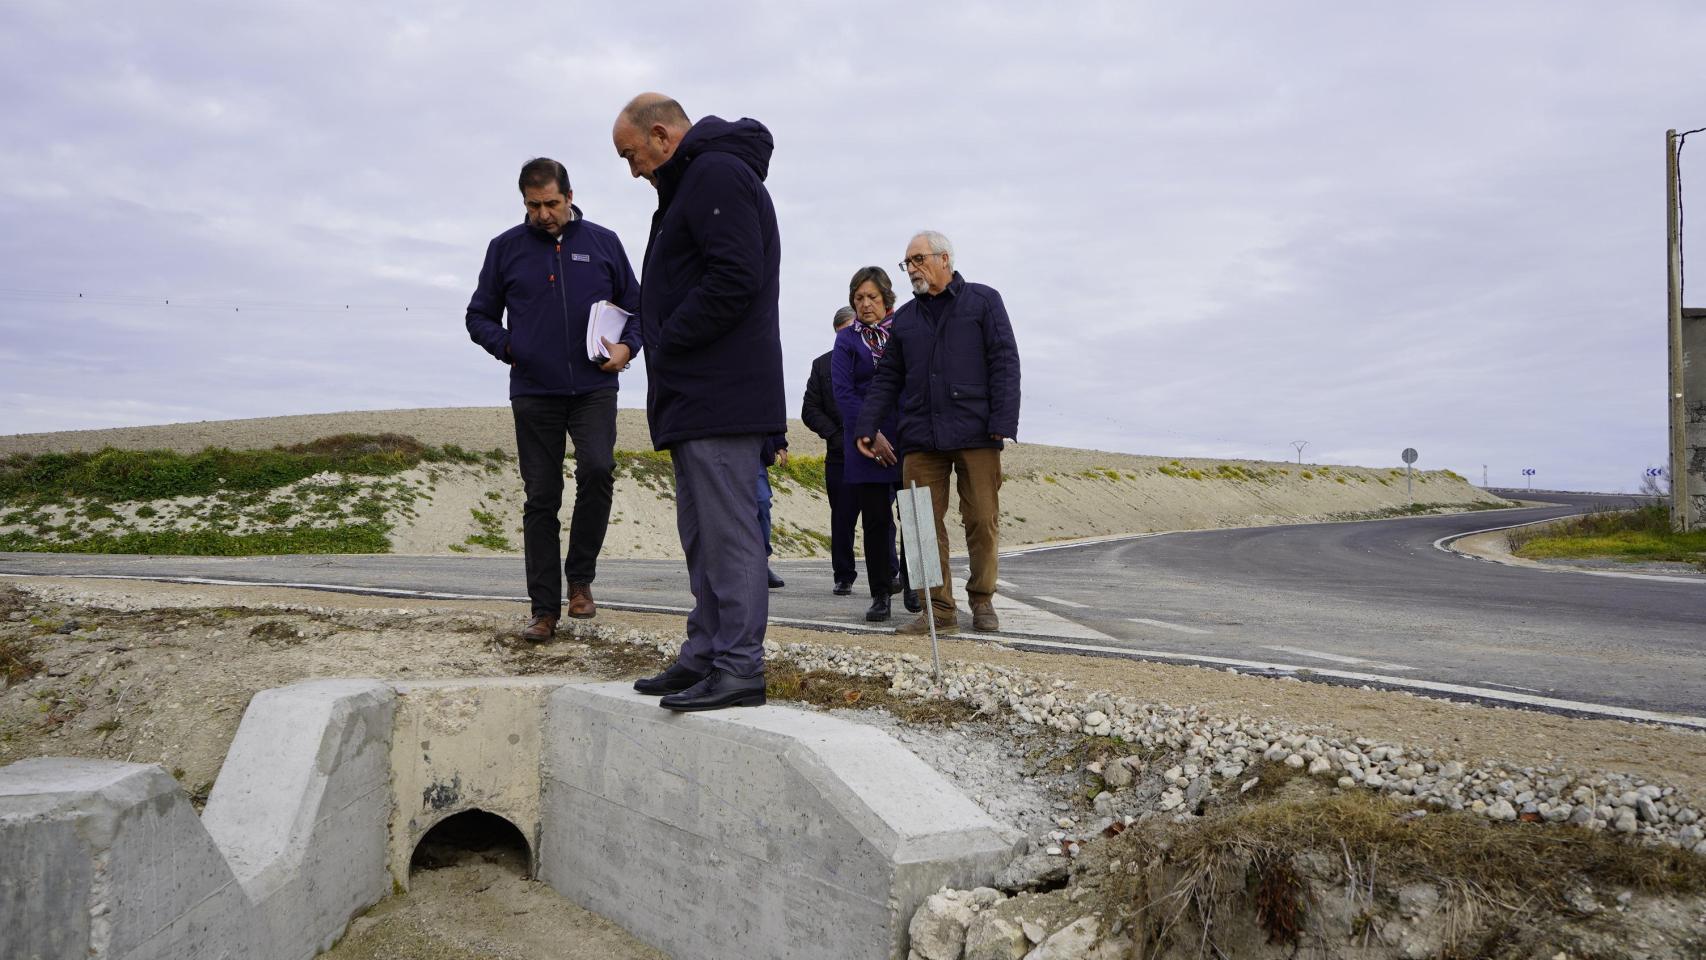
point(464, 745)
point(751, 833)
point(106, 859)
point(768, 832)
point(1694, 416)
point(112, 861)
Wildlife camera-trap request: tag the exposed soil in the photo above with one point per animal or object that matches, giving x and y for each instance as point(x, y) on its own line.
point(160, 673)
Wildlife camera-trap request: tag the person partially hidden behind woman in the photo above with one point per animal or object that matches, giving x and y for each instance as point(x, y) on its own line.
point(853, 363)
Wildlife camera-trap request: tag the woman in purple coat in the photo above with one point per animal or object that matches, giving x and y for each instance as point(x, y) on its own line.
point(852, 363)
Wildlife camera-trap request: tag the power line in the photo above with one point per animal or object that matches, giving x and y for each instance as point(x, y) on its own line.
point(203, 303)
point(1682, 262)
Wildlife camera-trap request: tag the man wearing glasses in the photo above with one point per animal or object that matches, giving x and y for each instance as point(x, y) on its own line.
point(953, 366)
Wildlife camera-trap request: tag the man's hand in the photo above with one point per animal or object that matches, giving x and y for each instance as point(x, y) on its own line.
point(864, 445)
point(620, 354)
point(883, 450)
point(782, 457)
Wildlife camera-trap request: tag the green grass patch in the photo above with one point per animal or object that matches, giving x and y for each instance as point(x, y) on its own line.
point(204, 542)
point(1642, 534)
point(124, 475)
point(805, 471)
point(1417, 510)
point(653, 469)
point(491, 535)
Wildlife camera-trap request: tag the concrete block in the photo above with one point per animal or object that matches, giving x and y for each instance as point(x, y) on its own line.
point(107, 859)
point(300, 809)
point(465, 745)
point(750, 833)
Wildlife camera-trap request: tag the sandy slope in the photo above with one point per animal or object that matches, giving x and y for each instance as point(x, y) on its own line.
point(1050, 493)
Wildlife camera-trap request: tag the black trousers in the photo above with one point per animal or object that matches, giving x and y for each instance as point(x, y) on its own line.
point(541, 426)
point(876, 514)
point(843, 515)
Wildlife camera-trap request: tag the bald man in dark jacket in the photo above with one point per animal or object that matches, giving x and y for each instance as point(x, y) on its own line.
point(710, 324)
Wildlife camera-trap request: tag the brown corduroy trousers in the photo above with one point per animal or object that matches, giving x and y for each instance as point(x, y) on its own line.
point(978, 473)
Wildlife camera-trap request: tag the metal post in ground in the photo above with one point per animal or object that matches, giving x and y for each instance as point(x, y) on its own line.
point(923, 563)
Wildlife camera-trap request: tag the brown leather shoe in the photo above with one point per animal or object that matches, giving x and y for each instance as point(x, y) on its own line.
point(541, 629)
point(581, 605)
point(983, 618)
point(921, 627)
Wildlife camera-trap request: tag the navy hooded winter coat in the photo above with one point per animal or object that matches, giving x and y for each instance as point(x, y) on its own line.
point(710, 287)
point(953, 365)
point(548, 287)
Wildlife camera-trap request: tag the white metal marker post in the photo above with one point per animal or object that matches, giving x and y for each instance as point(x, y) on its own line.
point(923, 564)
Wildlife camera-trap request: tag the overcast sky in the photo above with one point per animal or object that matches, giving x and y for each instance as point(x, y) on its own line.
point(1218, 228)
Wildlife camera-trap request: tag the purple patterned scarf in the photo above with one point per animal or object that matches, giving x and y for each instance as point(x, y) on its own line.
point(876, 335)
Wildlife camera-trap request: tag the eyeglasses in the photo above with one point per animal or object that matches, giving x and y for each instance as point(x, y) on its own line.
point(917, 260)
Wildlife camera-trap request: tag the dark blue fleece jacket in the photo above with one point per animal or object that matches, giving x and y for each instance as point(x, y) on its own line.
point(709, 306)
point(548, 287)
point(953, 366)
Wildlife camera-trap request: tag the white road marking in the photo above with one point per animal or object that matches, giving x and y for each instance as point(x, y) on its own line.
point(1005, 585)
point(1168, 626)
point(1060, 602)
point(1022, 617)
point(1334, 657)
point(1511, 686)
point(1402, 683)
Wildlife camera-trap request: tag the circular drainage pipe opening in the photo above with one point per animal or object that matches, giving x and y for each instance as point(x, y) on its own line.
point(471, 838)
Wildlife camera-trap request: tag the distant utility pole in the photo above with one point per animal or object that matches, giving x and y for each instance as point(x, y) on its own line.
point(1678, 413)
point(1300, 444)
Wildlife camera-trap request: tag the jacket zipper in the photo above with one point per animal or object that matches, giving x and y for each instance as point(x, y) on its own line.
point(563, 297)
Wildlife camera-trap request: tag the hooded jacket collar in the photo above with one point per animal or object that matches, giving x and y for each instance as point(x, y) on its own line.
point(746, 139)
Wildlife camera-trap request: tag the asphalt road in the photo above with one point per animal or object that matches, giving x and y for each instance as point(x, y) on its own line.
point(1373, 601)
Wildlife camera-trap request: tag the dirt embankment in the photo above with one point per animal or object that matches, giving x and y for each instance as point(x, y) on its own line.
point(1048, 493)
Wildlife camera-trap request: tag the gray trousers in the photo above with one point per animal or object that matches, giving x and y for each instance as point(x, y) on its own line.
point(716, 512)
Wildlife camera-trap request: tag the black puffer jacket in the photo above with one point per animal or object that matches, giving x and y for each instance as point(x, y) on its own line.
point(710, 287)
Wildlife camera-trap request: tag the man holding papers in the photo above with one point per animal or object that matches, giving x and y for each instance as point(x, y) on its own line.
point(570, 298)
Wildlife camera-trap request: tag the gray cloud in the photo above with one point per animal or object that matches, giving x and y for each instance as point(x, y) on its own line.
point(1217, 230)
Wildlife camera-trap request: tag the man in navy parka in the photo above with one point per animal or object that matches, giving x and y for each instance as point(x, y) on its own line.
point(710, 321)
point(546, 274)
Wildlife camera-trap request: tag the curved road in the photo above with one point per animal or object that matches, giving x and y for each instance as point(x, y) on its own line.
point(1379, 598)
point(1362, 602)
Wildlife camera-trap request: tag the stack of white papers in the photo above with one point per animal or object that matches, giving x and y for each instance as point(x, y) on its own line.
point(606, 321)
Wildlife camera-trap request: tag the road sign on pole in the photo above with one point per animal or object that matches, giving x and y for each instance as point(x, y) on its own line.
point(1529, 473)
point(923, 561)
point(1410, 456)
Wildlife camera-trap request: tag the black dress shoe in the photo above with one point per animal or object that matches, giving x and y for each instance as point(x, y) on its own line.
point(775, 581)
point(843, 588)
point(674, 679)
point(912, 604)
point(718, 690)
point(879, 610)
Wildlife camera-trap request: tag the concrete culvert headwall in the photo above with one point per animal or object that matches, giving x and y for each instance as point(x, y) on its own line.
point(465, 745)
point(743, 834)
